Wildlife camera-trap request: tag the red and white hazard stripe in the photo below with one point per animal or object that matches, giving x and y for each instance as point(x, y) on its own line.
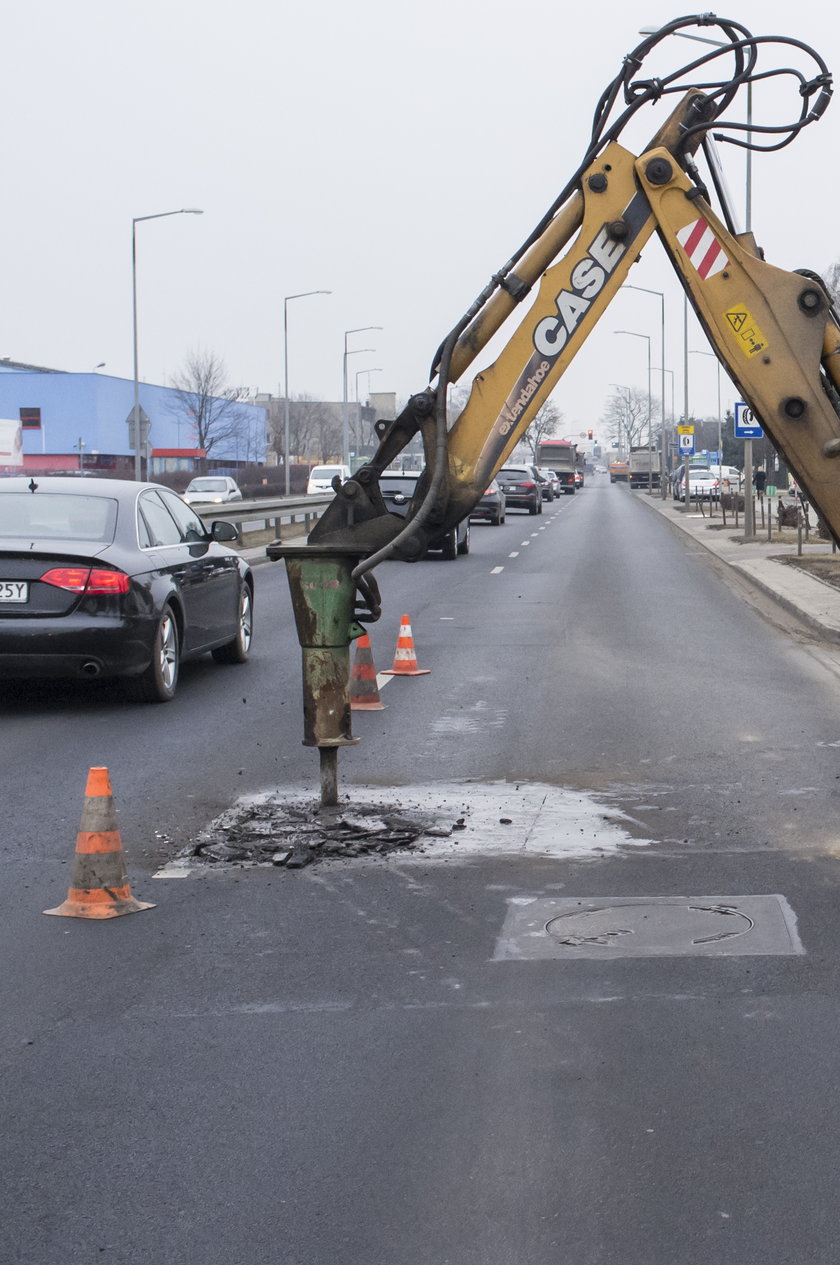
point(703, 248)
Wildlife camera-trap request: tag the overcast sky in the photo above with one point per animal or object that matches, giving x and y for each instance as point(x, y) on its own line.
point(394, 154)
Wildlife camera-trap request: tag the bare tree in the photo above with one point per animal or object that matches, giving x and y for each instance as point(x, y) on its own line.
point(546, 423)
point(211, 407)
point(625, 417)
point(314, 429)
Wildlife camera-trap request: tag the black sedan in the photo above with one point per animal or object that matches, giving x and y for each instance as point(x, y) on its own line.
point(398, 489)
point(107, 578)
point(491, 507)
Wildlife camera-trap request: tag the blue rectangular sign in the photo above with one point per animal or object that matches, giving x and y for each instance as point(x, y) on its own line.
point(746, 426)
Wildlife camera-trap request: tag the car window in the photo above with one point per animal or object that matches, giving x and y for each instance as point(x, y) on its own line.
point(144, 534)
point(208, 485)
point(163, 529)
point(192, 528)
point(324, 472)
point(511, 472)
point(397, 482)
point(57, 516)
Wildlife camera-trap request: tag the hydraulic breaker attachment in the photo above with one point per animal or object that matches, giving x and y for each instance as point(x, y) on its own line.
point(324, 602)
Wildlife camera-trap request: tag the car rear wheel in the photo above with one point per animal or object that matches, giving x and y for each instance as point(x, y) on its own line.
point(534, 507)
point(464, 546)
point(236, 651)
point(449, 549)
point(160, 680)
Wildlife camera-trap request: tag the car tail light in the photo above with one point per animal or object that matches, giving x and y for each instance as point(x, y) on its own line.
point(527, 485)
point(86, 580)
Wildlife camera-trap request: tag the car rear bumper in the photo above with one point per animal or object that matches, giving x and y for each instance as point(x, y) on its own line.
point(76, 646)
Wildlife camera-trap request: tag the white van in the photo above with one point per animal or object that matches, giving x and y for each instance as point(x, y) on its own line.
point(731, 475)
point(321, 477)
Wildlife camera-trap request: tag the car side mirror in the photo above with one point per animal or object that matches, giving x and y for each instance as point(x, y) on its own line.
point(222, 531)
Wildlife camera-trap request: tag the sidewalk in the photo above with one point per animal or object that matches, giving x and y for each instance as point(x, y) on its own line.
point(813, 600)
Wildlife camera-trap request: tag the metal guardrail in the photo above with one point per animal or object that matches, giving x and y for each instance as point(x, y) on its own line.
point(267, 514)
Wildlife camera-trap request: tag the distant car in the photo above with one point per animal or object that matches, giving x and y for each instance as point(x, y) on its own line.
point(549, 488)
point(579, 478)
point(702, 485)
point(398, 492)
point(522, 488)
point(111, 578)
point(491, 508)
point(731, 475)
point(212, 489)
point(321, 477)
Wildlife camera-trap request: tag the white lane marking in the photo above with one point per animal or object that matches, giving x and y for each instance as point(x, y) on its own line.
point(496, 570)
point(533, 533)
point(446, 617)
point(524, 542)
point(516, 555)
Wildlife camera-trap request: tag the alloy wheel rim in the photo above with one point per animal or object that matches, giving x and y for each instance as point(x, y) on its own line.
point(245, 620)
point(168, 651)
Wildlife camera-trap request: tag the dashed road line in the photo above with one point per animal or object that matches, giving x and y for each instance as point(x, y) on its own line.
point(496, 570)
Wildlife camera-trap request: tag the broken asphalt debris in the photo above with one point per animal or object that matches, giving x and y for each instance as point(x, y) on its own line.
point(293, 836)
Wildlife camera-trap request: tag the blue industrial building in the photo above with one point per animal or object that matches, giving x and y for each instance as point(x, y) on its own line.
point(73, 420)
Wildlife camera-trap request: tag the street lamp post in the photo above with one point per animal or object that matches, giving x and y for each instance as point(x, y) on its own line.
point(749, 517)
point(665, 428)
point(345, 428)
point(287, 300)
point(136, 427)
point(359, 374)
point(633, 334)
point(661, 297)
point(720, 418)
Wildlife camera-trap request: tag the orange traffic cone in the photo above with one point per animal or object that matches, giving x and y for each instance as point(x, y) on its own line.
point(405, 660)
point(364, 692)
point(99, 888)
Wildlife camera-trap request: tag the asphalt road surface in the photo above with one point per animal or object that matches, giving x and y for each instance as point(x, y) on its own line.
point(598, 1026)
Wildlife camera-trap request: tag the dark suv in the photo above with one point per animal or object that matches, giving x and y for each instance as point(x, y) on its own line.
point(522, 487)
point(397, 492)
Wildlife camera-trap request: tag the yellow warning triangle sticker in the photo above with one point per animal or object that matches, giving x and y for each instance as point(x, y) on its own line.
point(736, 320)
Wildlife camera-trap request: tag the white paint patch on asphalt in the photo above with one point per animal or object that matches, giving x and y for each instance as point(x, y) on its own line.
point(179, 868)
point(497, 570)
point(514, 555)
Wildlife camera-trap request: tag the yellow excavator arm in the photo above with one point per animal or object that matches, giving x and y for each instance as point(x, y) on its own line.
point(775, 332)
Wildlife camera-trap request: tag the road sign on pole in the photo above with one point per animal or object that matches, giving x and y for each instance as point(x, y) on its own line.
point(746, 423)
point(686, 439)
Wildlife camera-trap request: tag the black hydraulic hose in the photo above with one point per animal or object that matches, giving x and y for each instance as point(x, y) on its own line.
point(743, 46)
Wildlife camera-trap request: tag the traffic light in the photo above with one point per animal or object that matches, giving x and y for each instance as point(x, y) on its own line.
point(589, 434)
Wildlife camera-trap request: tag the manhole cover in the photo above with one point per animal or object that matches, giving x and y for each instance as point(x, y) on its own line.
point(661, 928)
point(652, 926)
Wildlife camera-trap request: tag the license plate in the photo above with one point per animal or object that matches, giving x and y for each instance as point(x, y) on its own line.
point(14, 591)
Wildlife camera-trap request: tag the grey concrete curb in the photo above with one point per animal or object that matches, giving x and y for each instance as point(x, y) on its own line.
point(810, 599)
